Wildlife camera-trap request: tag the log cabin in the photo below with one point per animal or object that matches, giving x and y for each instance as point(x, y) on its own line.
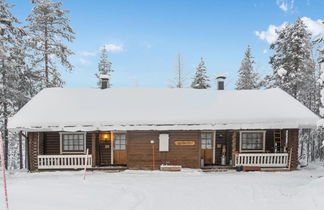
point(146, 128)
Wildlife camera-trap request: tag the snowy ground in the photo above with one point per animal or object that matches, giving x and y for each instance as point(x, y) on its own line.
point(146, 190)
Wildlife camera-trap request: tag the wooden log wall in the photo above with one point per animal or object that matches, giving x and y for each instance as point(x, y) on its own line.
point(33, 151)
point(140, 150)
point(293, 147)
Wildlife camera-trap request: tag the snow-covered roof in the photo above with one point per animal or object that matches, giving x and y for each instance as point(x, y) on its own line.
point(71, 109)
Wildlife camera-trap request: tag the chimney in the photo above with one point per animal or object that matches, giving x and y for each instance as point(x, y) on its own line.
point(104, 81)
point(220, 81)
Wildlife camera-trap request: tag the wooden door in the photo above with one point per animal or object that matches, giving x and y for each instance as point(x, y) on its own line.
point(207, 147)
point(120, 149)
point(105, 152)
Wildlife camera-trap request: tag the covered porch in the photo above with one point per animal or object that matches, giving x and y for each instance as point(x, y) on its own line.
point(271, 148)
point(76, 150)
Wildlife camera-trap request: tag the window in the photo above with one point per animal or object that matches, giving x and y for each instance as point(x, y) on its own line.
point(73, 142)
point(252, 141)
point(164, 142)
point(206, 140)
point(120, 142)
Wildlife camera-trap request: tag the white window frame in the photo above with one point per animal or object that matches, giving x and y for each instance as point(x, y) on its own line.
point(253, 131)
point(76, 152)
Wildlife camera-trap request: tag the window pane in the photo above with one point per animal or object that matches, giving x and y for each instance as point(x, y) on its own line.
point(73, 142)
point(252, 141)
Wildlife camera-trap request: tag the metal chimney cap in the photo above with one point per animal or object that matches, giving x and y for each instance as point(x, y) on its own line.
point(104, 76)
point(221, 76)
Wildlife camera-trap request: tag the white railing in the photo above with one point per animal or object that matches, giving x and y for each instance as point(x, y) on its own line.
point(63, 161)
point(262, 159)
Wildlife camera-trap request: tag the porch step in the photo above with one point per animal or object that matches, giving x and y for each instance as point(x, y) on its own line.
point(217, 167)
point(108, 168)
point(214, 168)
point(274, 169)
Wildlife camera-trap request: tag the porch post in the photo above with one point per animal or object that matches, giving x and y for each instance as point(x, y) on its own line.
point(214, 146)
point(27, 152)
point(112, 148)
point(20, 150)
point(94, 148)
point(234, 152)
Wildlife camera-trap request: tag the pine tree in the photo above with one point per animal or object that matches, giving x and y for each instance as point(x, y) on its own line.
point(104, 67)
point(320, 40)
point(48, 28)
point(247, 79)
point(11, 57)
point(200, 81)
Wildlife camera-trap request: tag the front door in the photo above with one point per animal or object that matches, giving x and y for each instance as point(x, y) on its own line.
point(105, 152)
point(207, 147)
point(120, 146)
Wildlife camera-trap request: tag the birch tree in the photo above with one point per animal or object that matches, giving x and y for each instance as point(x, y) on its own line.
point(179, 77)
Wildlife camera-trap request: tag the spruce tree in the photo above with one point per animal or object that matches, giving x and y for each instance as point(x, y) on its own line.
point(293, 68)
point(104, 67)
point(294, 71)
point(48, 28)
point(248, 79)
point(200, 81)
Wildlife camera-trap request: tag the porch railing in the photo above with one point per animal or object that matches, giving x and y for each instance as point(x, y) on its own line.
point(63, 161)
point(262, 159)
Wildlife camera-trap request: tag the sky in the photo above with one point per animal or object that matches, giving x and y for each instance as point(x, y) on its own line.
point(143, 38)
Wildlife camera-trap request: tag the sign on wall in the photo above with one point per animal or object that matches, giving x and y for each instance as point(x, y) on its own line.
point(184, 143)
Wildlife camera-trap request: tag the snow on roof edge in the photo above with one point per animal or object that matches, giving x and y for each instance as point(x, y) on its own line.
point(22, 123)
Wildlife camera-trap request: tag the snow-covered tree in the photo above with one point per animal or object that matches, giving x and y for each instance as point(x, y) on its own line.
point(104, 67)
point(294, 70)
point(11, 64)
point(201, 80)
point(293, 67)
point(48, 29)
point(247, 79)
point(320, 40)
